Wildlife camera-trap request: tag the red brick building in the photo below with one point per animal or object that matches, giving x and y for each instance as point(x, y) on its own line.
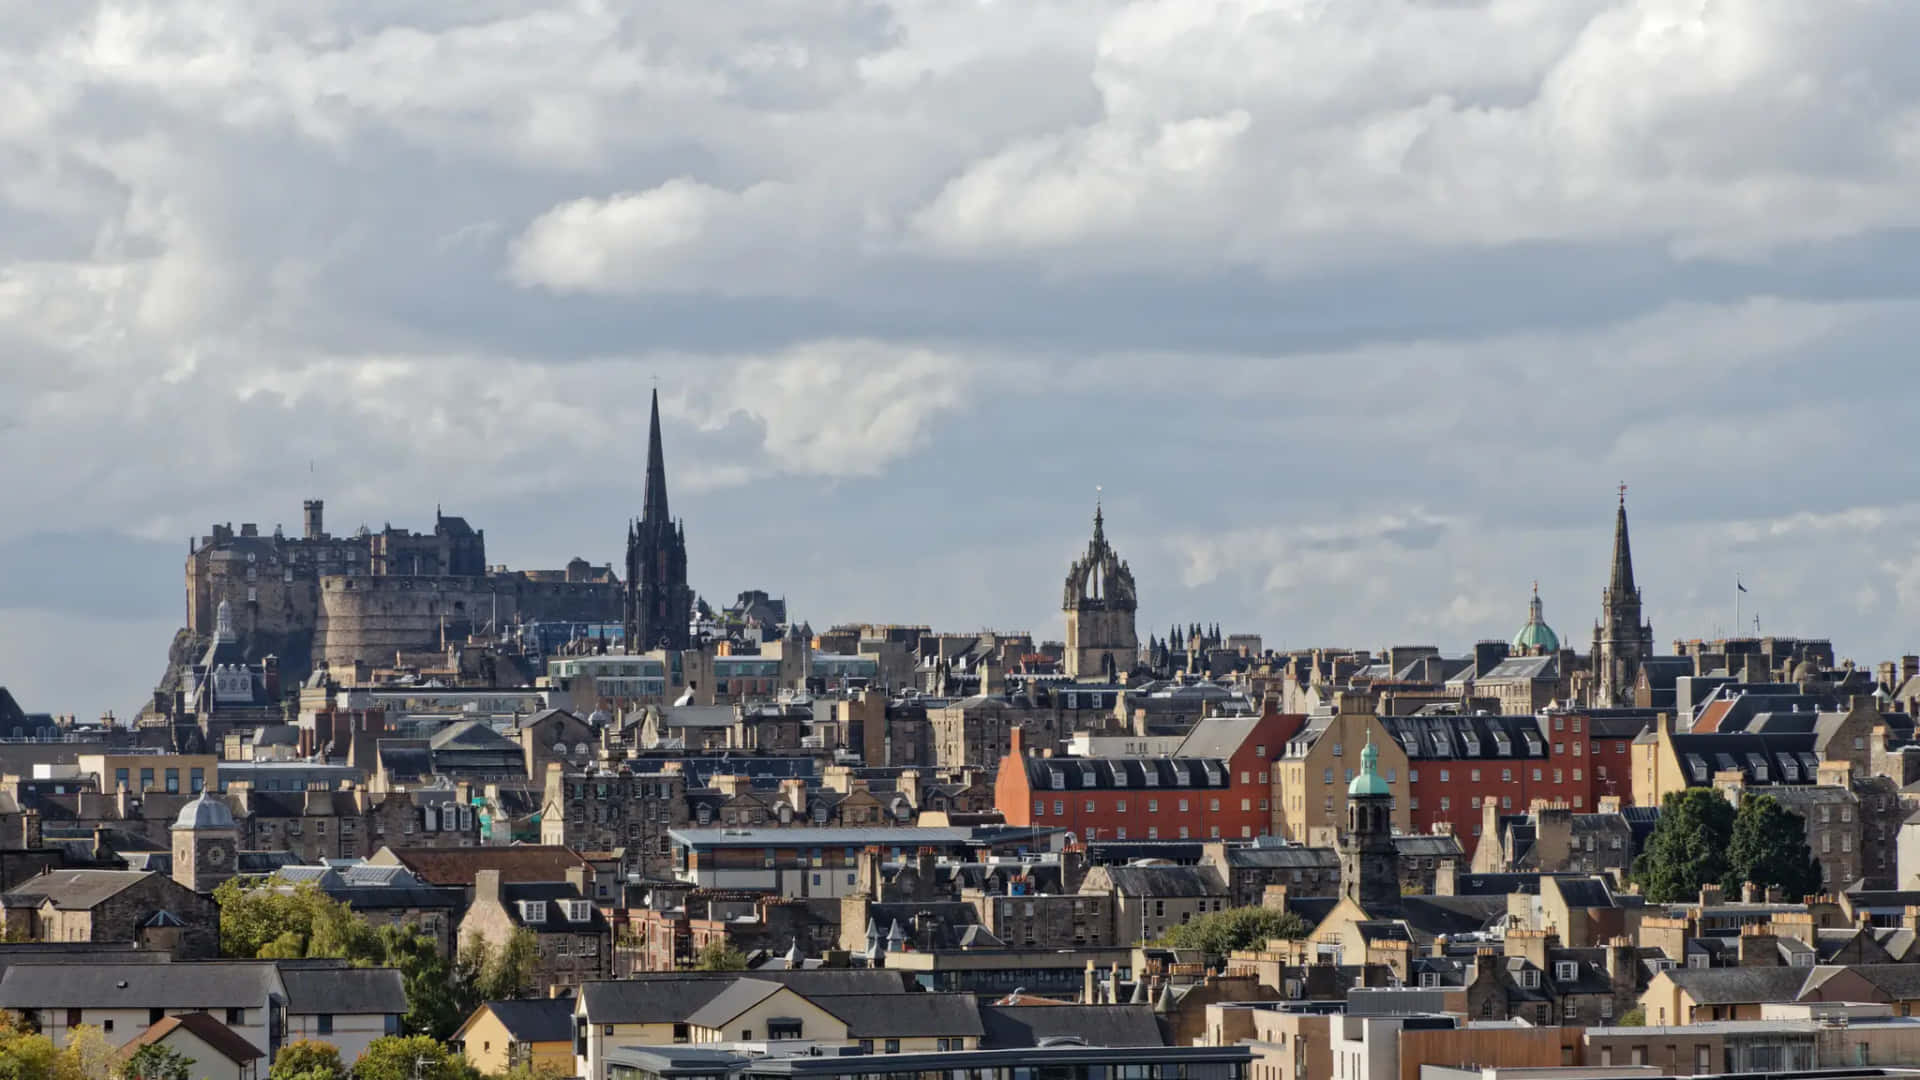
point(1456, 763)
point(1218, 786)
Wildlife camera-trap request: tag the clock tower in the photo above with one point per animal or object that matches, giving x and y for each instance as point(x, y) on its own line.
point(205, 843)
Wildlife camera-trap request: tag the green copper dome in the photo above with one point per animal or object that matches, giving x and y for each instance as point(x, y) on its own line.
point(1369, 782)
point(1536, 635)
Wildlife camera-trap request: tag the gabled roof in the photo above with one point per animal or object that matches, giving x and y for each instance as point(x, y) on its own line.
point(77, 890)
point(223, 1039)
point(207, 984)
point(892, 1016)
point(1165, 881)
point(1738, 985)
point(733, 999)
point(1021, 1026)
point(359, 991)
point(533, 1020)
point(457, 865)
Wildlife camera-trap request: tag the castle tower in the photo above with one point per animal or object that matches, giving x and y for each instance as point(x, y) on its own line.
point(312, 512)
point(1369, 863)
point(1621, 640)
point(205, 843)
point(658, 605)
point(1100, 603)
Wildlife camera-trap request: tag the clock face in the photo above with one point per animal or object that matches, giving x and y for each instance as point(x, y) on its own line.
point(216, 855)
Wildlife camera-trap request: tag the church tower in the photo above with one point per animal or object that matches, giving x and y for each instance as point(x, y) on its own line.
point(1369, 863)
point(657, 605)
point(206, 843)
point(1100, 604)
point(1621, 639)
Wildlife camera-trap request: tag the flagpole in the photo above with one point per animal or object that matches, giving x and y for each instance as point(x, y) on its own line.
point(1736, 601)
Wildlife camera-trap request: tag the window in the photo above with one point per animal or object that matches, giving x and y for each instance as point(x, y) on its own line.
point(1213, 806)
point(1336, 749)
point(154, 1016)
point(120, 778)
point(1153, 806)
point(1530, 978)
point(1120, 806)
point(1260, 750)
point(1566, 971)
point(1059, 808)
point(1475, 775)
point(1413, 776)
point(1390, 776)
point(1506, 776)
point(1183, 806)
point(236, 1015)
point(533, 911)
point(893, 1046)
point(1327, 777)
point(1089, 806)
point(1444, 777)
point(323, 1024)
point(1536, 776)
point(197, 779)
point(1039, 808)
point(146, 779)
point(1445, 803)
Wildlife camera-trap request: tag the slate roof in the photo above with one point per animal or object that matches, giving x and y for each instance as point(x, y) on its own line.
point(361, 991)
point(1090, 773)
point(516, 863)
point(1166, 881)
point(223, 1039)
point(199, 985)
point(75, 890)
point(1737, 985)
point(1217, 736)
point(733, 999)
point(535, 1020)
point(1019, 1026)
point(670, 997)
point(1468, 737)
point(892, 1016)
point(552, 893)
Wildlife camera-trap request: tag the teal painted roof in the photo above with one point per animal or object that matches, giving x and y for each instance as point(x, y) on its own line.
point(1369, 782)
point(1536, 634)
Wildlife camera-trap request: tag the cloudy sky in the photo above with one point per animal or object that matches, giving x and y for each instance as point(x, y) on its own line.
point(1358, 309)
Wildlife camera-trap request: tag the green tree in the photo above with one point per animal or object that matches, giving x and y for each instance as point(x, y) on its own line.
point(497, 974)
point(719, 956)
point(303, 922)
point(1634, 1017)
point(411, 1057)
point(25, 1054)
point(1688, 847)
point(307, 1060)
point(1221, 932)
point(156, 1062)
point(1769, 848)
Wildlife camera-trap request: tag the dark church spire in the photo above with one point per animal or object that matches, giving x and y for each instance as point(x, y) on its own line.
point(1622, 581)
point(658, 603)
point(654, 509)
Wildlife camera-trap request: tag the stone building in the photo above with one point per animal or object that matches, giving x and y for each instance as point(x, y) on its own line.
point(206, 843)
point(127, 907)
point(575, 939)
point(1100, 603)
point(605, 811)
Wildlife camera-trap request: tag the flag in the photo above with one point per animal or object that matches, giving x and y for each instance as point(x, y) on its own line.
point(1737, 585)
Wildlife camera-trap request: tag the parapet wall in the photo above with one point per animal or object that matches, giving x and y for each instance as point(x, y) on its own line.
point(370, 619)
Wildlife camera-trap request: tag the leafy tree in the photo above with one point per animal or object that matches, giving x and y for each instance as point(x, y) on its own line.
point(1634, 1017)
point(1769, 848)
point(303, 922)
point(719, 956)
point(411, 1057)
point(1688, 847)
point(307, 1060)
point(1221, 932)
point(25, 1054)
point(156, 1062)
point(502, 973)
point(527, 1070)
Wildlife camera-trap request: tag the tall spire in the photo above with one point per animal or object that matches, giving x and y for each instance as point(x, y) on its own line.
point(1621, 583)
point(654, 509)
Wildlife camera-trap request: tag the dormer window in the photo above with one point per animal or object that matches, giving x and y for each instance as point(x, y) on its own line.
point(1530, 978)
point(1087, 778)
point(1119, 774)
point(1149, 776)
point(533, 911)
point(1566, 971)
point(579, 911)
point(1429, 980)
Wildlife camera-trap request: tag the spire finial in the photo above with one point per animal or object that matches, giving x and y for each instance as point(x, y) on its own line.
point(1623, 493)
